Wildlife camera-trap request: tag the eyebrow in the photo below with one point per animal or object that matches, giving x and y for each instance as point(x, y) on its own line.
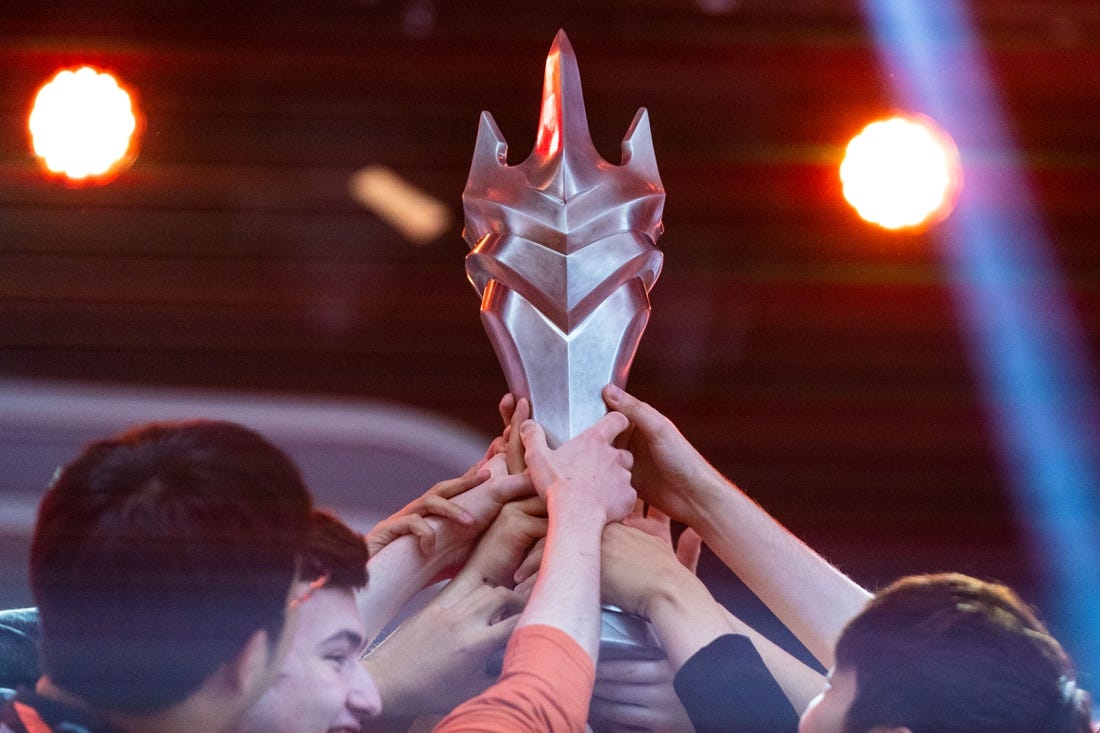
point(354, 639)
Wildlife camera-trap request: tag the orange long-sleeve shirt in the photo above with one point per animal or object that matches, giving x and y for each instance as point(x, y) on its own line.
point(545, 685)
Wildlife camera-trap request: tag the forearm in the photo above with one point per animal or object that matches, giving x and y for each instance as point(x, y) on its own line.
point(400, 570)
point(800, 682)
point(397, 695)
point(686, 617)
point(808, 594)
point(396, 573)
point(759, 688)
point(566, 594)
point(545, 686)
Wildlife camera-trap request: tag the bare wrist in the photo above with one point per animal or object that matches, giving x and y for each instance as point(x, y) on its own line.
point(578, 509)
point(709, 493)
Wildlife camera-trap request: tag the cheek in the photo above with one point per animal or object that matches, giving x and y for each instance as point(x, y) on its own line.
point(309, 700)
point(822, 715)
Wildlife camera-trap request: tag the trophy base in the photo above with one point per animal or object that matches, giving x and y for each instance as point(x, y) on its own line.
point(622, 636)
point(626, 636)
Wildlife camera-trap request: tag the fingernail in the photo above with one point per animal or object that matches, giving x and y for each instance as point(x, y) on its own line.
point(614, 391)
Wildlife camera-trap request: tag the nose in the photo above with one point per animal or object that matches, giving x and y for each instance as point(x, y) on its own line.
point(364, 701)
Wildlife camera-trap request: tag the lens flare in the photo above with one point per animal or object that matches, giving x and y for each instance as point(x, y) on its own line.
point(83, 125)
point(901, 172)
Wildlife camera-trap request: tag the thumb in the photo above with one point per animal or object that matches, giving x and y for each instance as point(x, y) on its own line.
point(535, 449)
point(619, 400)
point(688, 549)
point(532, 435)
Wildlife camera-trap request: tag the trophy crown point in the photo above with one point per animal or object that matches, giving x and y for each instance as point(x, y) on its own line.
point(637, 148)
point(562, 118)
point(565, 195)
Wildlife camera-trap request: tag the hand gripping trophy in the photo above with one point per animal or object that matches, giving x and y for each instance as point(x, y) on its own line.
point(563, 256)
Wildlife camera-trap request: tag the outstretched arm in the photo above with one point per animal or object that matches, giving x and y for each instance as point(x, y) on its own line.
point(400, 569)
point(642, 575)
point(586, 484)
point(412, 518)
point(809, 595)
point(438, 658)
point(502, 549)
point(550, 660)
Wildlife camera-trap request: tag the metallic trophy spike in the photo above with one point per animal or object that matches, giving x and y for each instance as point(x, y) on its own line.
point(563, 253)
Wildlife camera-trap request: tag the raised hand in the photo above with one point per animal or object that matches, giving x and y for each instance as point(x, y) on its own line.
point(586, 472)
point(435, 502)
point(668, 472)
point(638, 567)
point(637, 695)
point(437, 659)
point(654, 522)
point(504, 546)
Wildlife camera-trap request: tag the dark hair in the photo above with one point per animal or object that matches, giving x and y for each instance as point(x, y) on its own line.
point(334, 549)
point(953, 654)
point(157, 554)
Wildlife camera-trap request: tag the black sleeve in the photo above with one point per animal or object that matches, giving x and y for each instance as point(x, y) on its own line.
point(726, 687)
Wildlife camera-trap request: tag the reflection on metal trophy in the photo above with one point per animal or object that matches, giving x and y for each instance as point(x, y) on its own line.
point(563, 256)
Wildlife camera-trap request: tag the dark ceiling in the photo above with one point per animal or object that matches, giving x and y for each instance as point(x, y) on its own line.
point(819, 362)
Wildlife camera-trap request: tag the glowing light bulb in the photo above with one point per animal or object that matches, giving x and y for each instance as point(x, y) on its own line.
point(901, 172)
point(83, 124)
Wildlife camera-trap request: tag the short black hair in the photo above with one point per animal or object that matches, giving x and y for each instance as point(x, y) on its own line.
point(948, 653)
point(158, 553)
point(334, 549)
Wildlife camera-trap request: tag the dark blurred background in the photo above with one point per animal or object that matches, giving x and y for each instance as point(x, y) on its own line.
point(820, 362)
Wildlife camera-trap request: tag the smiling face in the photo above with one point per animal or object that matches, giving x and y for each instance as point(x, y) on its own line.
point(322, 686)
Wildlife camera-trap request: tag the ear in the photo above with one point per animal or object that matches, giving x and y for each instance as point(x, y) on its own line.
point(249, 669)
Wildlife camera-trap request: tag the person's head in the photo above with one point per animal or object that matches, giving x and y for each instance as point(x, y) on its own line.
point(949, 654)
point(162, 556)
point(322, 686)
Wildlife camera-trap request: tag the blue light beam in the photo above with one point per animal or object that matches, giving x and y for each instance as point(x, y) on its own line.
point(1026, 346)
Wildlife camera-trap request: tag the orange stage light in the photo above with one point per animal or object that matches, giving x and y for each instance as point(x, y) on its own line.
point(902, 172)
point(84, 126)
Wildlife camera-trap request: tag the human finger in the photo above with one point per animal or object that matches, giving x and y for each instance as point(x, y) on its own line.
point(621, 692)
point(521, 412)
point(524, 588)
point(506, 488)
point(531, 563)
point(626, 458)
point(423, 531)
point(532, 506)
point(476, 600)
point(390, 529)
point(610, 425)
point(499, 445)
point(506, 407)
point(638, 412)
point(498, 605)
point(632, 671)
point(497, 465)
point(688, 549)
point(534, 444)
point(445, 508)
point(451, 488)
point(616, 716)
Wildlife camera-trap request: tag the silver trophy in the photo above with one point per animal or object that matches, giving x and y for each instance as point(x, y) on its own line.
point(563, 257)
